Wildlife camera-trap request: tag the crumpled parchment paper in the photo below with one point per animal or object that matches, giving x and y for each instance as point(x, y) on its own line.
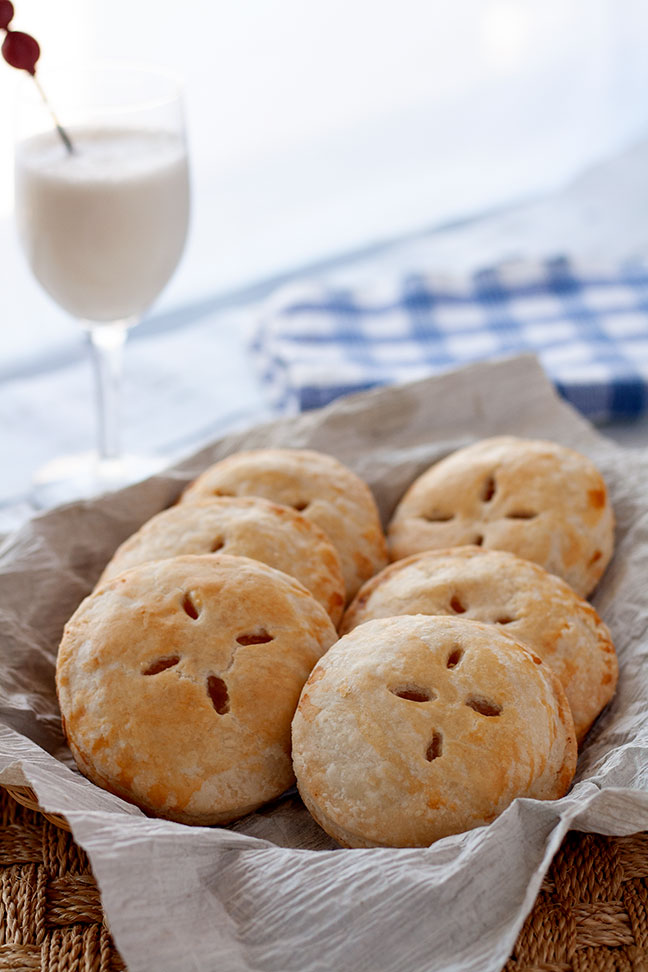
point(273, 893)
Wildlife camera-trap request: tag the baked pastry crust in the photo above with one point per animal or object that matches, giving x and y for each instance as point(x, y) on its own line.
point(413, 728)
point(178, 679)
point(325, 490)
point(529, 604)
point(537, 499)
point(242, 527)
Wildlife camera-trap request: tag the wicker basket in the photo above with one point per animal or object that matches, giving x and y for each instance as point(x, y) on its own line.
point(27, 798)
point(591, 914)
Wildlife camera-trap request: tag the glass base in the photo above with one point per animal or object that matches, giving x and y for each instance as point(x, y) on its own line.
point(85, 475)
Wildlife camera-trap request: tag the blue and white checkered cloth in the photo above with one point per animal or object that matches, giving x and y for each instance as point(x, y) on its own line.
point(590, 330)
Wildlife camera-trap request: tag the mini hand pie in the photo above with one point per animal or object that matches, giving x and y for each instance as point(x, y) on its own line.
point(178, 680)
point(413, 728)
point(242, 527)
point(539, 500)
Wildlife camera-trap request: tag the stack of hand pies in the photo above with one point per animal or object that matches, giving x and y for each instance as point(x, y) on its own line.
point(466, 671)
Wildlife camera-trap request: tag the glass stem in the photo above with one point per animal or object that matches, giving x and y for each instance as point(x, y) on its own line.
point(107, 344)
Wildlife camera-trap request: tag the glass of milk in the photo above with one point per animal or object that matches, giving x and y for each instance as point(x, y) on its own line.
point(103, 227)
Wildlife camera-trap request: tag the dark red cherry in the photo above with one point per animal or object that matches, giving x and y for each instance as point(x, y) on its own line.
point(21, 51)
point(6, 13)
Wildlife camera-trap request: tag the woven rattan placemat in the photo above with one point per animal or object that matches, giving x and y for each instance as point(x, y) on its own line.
point(590, 916)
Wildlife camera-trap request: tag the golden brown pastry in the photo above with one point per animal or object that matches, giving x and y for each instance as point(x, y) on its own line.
point(178, 680)
point(243, 527)
point(537, 499)
point(323, 489)
point(538, 609)
point(413, 728)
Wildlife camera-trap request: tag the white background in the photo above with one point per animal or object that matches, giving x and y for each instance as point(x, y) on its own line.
point(315, 128)
point(319, 126)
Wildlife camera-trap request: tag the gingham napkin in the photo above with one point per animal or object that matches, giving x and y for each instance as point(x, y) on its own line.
point(589, 328)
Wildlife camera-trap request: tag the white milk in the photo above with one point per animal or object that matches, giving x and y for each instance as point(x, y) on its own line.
point(103, 228)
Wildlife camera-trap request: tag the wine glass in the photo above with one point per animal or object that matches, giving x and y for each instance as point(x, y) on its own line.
point(103, 223)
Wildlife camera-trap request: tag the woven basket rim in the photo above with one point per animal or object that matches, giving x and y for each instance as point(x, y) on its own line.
point(27, 798)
